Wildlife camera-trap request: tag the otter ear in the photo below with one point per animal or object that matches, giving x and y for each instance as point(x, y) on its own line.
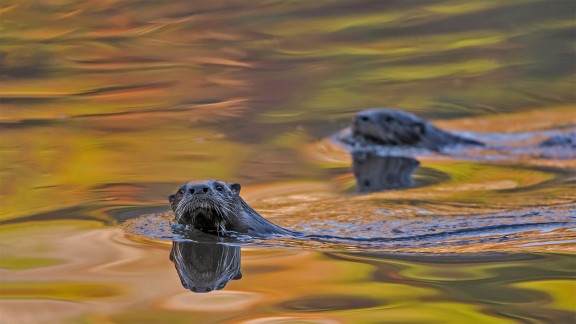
point(235, 187)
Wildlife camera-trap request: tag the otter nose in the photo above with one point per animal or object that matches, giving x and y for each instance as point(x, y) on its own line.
point(199, 189)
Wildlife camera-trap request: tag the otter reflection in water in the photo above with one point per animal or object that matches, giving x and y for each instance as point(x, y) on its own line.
point(205, 266)
point(377, 173)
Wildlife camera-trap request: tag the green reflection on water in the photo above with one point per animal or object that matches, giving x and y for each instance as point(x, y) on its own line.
point(562, 292)
point(78, 291)
point(20, 263)
point(116, 103)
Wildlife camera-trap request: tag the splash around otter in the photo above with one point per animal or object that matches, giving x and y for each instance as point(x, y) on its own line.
point(215, 207)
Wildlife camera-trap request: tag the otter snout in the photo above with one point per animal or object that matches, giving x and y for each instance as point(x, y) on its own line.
point(199, 189)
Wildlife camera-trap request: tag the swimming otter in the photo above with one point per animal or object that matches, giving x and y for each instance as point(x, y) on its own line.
point(395, 127)
point(215, 207)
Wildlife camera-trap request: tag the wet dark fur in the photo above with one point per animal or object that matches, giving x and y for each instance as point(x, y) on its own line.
point(394, 127)
point(566, 140)
point(216, 207)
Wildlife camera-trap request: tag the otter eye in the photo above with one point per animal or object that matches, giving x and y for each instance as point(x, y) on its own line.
point(181, 191)
point(219, 187)
point(364, 118)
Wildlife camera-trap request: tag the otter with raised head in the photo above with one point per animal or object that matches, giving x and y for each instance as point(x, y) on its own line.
point(399, 128)
point(215, 207)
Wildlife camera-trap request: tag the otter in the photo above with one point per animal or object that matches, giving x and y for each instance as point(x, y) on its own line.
point(392, 127)
point(215, 207)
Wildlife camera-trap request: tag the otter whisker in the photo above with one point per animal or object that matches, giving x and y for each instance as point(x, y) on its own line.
point(227, 209)
point(224, 216)
point(223, 210)
point(220, 228)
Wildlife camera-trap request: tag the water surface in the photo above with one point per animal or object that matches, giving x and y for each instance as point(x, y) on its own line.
point(108, 106)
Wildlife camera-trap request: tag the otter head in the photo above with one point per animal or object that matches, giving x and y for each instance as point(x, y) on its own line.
point(388, 127)
point(210, 206)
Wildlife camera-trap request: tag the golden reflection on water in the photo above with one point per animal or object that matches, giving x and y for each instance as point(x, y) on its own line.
point(101, 276)
point(108, 106)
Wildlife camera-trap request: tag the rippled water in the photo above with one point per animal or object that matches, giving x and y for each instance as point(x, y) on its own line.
point(108, 106)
